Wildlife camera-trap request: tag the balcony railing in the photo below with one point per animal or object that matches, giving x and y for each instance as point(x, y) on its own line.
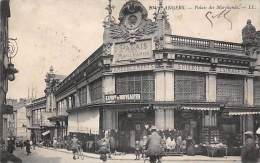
point(175, 40)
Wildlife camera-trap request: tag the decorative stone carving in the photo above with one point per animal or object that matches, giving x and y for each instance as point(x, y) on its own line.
point(133, 25)
point(107, 49)
point(145, 28)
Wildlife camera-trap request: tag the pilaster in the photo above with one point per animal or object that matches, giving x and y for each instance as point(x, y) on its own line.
point(249, 90)
point(164, 85)
point(211, 87)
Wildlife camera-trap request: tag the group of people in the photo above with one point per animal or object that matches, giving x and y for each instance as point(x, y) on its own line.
point(11, 145)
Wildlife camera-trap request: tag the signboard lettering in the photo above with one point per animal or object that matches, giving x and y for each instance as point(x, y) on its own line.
point(142, 67)
point(189, 67)
point(127, 51)
point(231, 70)
point(123, 97)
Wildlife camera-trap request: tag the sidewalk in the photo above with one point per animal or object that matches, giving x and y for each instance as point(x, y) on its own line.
point(167, 158)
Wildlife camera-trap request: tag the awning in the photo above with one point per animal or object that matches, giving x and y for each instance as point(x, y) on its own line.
point(46, 132)
point(86, 121)
point(241, 113)
point(200, 108)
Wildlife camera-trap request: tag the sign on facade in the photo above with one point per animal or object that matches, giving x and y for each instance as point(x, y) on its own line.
point(130, 51)
point(123, 97)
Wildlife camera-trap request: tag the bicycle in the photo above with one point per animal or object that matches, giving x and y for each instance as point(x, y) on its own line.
point(158, 160)
point(78, 154)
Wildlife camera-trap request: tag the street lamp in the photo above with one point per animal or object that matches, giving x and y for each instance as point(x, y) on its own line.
point(12, 51)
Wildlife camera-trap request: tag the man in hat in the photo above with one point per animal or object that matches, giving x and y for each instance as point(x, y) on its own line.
point(74, 145)
point(154, 147)
point(249, 152)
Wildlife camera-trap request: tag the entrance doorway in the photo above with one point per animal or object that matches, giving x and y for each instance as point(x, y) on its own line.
point(131, 127)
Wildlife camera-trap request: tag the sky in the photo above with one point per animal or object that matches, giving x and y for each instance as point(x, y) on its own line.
point(63, 33)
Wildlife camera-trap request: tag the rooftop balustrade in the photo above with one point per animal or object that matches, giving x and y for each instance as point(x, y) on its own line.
point(174, 40)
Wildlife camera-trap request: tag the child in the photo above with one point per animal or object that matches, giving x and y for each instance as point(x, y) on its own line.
point(137, 150)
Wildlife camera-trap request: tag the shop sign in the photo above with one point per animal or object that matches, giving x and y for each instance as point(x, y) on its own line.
point(231, 71)
point(190, 67)
point(122, 97)
point(129, 51)
point(142, 67)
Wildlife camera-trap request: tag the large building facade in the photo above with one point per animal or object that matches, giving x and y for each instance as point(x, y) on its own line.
point(142, 75)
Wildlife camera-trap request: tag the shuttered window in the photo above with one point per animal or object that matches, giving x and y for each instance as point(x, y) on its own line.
point(136, 83)
point(230, 90)
point(190, 86)
point(257, 91)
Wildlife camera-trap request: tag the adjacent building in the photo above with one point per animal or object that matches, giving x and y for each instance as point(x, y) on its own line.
point(17, 122)
point(41, 109)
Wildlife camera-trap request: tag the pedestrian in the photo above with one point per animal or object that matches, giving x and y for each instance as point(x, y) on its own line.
point(55, 143)
point(183, 146)
point(34, 143)
point(258, 140)
point(137, 150)
point(190, 146)
point(74, 146)
point(10, 145)
point(21, 144)
point(28, 147)
point(178, 144)
point(154, 147)
point(104, 149)
point(249, 152)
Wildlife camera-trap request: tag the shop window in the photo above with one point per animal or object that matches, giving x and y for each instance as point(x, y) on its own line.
point(95, 89)
point(257, 91)
point(230, 90)
point(136, 83)
point(190, 86)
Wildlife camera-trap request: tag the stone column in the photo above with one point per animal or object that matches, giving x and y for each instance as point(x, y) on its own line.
point(211, 87)
point(108, 84)
point(110, 120)
point(164, 85)
point(249, 101)
point(164, 91)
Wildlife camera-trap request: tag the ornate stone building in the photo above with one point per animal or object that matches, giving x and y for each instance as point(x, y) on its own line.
point(142, 75)
point(40, 110)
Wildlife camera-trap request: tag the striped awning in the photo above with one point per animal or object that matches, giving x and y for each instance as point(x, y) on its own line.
point(244, 113)
point(201, 108)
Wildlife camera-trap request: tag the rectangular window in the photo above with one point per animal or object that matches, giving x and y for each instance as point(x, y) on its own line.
point(95, 89)
point(257, 91)
point(136, 83)
point(190, 86)
point(69, 102)
point(230, 90)
point(83, 96)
